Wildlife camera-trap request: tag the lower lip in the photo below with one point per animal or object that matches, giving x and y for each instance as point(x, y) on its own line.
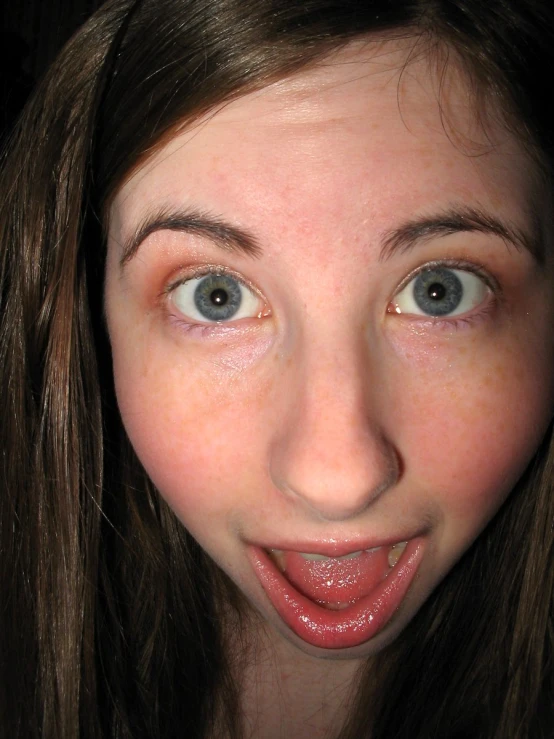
point(349, 627)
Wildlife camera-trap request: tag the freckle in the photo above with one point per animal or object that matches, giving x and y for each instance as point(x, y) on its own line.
point(487, 381)
point(286, 362)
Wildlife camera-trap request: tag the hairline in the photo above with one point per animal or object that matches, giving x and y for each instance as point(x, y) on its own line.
point(428, 43)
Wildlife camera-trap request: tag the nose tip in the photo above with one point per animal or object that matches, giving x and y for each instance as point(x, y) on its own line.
point(336, 472)
point(334, 495)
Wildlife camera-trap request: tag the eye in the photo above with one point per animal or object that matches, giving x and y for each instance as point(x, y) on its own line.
point(216, 297)
point(441, 292)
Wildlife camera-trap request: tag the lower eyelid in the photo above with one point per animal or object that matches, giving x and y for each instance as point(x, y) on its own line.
point(482, 312)
point(202, 329)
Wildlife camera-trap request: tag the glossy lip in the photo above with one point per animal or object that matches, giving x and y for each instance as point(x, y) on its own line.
point(348, 627)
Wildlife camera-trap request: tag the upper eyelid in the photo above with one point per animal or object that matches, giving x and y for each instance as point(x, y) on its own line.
point(211, 269)
point(461, 264)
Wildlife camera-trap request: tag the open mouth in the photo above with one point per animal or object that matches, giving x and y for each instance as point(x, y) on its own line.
point(337, 582)
point(337, 602)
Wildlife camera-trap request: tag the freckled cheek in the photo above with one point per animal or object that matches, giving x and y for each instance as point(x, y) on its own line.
point(195, 425)
point(469, 431)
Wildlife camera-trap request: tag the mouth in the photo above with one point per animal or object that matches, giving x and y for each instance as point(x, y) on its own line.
point(337, 602)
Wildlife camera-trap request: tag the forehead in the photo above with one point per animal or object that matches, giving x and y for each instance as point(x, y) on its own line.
point(368, 121)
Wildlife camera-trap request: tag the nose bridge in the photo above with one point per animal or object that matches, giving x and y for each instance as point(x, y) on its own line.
point(330, 452)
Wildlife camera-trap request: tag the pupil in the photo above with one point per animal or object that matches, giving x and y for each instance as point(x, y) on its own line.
point(436, 291)
point(219, 297)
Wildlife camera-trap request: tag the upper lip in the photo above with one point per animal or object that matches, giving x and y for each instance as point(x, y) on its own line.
point(334, 547)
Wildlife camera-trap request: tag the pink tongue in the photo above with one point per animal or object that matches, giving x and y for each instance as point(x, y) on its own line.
point(337, 580)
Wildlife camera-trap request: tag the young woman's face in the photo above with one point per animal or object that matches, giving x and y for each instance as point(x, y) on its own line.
point(331, 332)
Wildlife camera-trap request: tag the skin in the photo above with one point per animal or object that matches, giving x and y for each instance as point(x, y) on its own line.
point(332, 417)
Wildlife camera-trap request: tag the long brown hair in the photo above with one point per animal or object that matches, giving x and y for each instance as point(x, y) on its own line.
point(111, 613)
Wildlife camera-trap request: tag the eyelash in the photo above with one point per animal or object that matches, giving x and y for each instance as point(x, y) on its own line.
point(458, 323)
point(454, 323)
point(461, 321)
point(207, 328)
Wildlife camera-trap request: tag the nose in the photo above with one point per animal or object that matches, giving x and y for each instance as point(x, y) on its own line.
point(330, 453)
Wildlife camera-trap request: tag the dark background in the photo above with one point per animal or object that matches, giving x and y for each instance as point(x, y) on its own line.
point(31, 34)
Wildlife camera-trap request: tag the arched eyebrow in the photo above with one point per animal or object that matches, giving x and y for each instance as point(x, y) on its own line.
point(457, 220)
point(401, 239)
point(194, 222)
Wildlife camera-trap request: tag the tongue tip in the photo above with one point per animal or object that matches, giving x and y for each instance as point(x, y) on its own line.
point(336, 583)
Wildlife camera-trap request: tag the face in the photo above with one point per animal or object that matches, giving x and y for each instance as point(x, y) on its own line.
point(331, 343)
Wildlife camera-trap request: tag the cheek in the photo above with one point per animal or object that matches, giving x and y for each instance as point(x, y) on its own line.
point(471, 421)
point(192, 424)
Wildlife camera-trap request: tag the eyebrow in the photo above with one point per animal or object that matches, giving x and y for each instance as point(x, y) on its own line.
point(399, 240)
point(198, 223)
point(458, 220)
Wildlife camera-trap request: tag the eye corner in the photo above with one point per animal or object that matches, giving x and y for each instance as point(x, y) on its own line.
point(393, 308)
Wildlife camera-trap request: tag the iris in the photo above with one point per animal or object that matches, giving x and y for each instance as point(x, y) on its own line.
point(218, 297)
point(438, 292)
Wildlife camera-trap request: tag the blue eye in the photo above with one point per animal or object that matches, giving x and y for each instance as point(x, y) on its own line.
point(215, 297)
point(441, 292)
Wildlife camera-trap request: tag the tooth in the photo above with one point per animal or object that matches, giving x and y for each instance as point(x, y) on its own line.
point(396, 552)
point(352, 555)
point(279, 558)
